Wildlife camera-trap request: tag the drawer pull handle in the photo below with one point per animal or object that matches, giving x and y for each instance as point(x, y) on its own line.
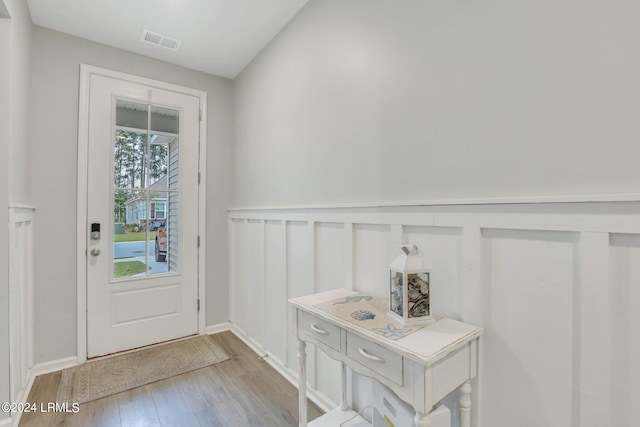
point(363, 352)
point(318, 330)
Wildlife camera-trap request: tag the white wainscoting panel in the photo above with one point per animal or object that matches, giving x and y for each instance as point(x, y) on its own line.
point(625, 344)
point(20, 302)
point(330, 257)
point(330, 260)
point(276, 307)
point(239, 263)
point(555, 286)
point(254, 279)
point(375, 246)
point(300, 281)
point(528, 302)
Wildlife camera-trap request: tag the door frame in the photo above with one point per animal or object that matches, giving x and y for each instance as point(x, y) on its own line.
point(86, 71)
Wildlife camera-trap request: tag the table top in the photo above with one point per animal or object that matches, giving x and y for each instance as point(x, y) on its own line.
point(427, 345)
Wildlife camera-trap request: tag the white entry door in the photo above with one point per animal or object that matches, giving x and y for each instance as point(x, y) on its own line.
point(142, 212)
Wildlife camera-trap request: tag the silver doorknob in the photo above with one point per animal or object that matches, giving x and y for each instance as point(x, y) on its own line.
point(95, 252)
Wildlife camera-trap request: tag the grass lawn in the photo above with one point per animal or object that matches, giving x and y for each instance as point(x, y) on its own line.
point(127, 268)
point(133, 237)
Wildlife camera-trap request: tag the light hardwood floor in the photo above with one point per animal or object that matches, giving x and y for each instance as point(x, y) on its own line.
point(243, 391)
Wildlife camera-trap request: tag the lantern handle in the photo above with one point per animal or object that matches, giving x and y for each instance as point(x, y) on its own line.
point(406, 249)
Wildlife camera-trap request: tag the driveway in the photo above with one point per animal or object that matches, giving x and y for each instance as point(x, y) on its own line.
point(132, 249)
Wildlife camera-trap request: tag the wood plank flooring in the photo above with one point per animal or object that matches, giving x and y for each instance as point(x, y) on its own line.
point(243, 391)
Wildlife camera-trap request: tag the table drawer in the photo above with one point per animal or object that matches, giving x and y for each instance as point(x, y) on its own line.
point(320, 330)
point(375, 357)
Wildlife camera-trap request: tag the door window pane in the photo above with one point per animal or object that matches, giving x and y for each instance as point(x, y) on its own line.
point(129, 234)
point(145, 167)
point(129, 166)
point(163, 247)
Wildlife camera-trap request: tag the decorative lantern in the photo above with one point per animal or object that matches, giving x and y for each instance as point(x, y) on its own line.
point(409, 293)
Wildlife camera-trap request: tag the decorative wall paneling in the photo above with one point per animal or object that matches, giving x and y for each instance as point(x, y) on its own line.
point(555, 285)
point(20, 301)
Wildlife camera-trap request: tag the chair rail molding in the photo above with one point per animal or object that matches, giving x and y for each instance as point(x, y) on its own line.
point(552, 282)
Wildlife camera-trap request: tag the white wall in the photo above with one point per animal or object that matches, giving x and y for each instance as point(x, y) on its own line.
point(554, 286)
point(5, 38)
point(372, 102)
point(378, 101)
point(55, 72)
point(20, 63)
point(15, 43)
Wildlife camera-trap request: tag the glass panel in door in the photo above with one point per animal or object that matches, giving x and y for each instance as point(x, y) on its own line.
point(145, 190)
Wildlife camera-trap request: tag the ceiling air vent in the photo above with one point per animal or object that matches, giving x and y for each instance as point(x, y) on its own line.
point(160, 40)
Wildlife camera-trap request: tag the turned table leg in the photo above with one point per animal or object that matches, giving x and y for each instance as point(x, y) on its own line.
point(302, 384)
point(465, 404)
point(343, 387)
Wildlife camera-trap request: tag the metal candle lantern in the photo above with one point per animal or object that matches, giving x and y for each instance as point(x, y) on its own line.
point(409, 287)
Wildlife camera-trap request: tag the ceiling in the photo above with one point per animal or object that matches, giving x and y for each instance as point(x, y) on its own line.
point(219, 37)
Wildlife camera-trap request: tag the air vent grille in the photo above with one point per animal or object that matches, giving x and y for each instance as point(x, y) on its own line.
point(159, 40)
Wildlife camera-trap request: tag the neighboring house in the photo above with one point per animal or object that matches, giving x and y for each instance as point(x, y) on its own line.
point(136, 208)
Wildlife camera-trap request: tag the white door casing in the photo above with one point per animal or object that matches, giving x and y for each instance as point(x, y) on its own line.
point(129, 312)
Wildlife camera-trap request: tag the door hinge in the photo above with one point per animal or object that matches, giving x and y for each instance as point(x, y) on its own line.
point(198, 241)
point(198, 305)
point(200, 115)
point(199, 177)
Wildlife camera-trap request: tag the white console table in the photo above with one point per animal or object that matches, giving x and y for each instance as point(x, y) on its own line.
point(420, 368)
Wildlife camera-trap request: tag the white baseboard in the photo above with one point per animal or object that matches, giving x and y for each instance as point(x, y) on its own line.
point(316, 397)
point(54, 365)
point(215, 329)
